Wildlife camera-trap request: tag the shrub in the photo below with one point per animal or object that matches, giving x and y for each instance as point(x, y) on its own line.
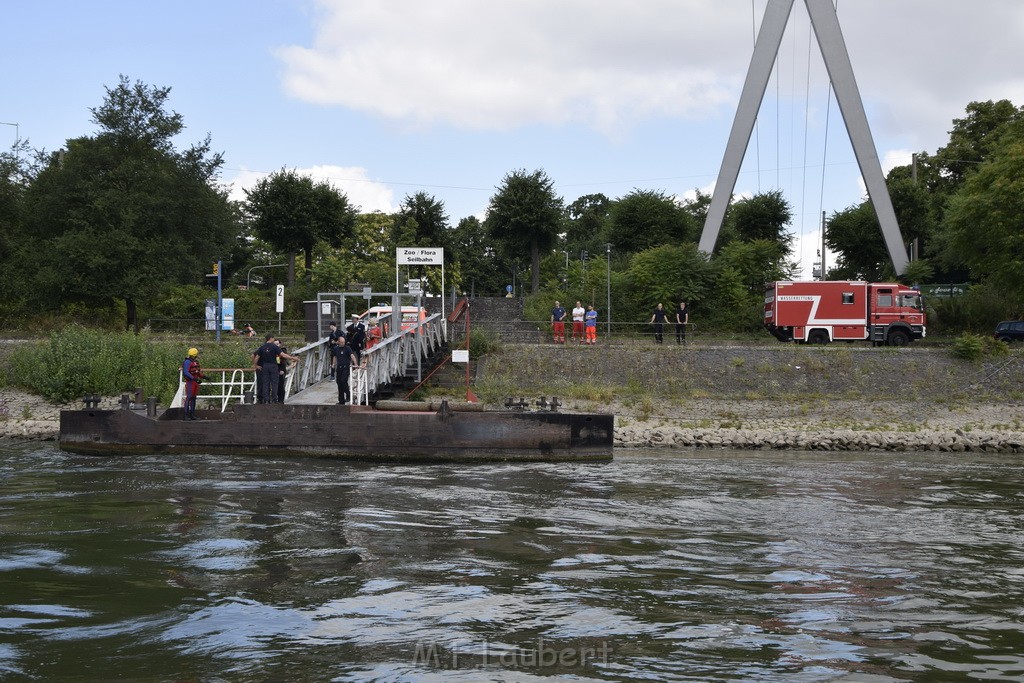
point(970, 346)
point(76, 361)
point(482, 342)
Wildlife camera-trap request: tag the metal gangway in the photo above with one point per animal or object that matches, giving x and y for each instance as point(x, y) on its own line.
point(387, 360)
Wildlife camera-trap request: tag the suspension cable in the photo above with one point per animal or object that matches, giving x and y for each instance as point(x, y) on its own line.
point(807, 107)
point(757, 124)
point(824, 155)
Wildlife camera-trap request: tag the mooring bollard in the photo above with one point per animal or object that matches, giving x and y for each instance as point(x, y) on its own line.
point(151, 406)
point(126, 402)
point(248, 397)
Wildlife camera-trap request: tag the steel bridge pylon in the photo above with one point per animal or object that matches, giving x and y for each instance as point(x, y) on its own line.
point(825, 25)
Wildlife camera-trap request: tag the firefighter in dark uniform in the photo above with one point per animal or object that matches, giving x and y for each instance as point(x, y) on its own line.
point(265, 362)
point(344, 358)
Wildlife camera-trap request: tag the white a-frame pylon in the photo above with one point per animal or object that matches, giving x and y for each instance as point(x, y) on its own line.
point(837, 61)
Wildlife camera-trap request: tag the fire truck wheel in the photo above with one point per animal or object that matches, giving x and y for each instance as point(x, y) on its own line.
point(898, 338)
point(817, 337)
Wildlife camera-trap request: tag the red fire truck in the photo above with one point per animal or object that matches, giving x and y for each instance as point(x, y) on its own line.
point(822, 312)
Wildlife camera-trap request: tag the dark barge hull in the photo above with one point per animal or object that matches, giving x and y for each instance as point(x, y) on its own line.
point(347, 432)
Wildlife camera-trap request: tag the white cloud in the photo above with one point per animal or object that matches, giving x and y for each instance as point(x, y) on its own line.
point(365, 194)
point(497, 65)
point(609, 65)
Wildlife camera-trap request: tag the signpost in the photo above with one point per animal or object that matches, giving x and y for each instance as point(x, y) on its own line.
point(421, 256)
point(280, 306)
point(218, 313)
point(224, 312)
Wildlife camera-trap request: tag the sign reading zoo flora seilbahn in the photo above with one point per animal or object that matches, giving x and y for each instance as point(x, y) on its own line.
point(419, 256)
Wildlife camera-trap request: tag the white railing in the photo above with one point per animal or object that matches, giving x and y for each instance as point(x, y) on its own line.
point(393, 356)
point(219, 384)
point(381, 364)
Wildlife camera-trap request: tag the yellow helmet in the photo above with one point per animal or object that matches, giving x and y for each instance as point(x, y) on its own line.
point(193, 352)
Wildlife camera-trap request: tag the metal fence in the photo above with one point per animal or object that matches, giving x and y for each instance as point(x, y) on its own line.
point(543, 332)
point(386, 361)
point(191, 326)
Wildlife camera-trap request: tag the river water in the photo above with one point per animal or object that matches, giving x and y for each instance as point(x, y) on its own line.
point(682, 566)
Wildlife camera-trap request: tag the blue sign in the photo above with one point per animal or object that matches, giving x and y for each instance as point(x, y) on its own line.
point(508, 288)
point(227, 317)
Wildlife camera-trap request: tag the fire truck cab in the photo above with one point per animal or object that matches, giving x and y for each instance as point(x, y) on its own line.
point(819, 312)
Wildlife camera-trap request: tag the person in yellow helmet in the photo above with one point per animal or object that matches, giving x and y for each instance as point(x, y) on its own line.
point(193, 376)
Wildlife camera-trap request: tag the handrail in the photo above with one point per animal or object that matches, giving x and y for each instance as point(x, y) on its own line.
point(225, 387)
point(394, 355)
point(380, 365)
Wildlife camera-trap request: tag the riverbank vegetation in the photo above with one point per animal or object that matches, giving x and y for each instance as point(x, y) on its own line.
point(75, 361)
point(121, 228)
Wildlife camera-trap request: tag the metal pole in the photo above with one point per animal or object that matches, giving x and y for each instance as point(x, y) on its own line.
point(220, 302)
point(608, 277)
point(823, 278)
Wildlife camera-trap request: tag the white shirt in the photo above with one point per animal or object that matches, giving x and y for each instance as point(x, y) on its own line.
point(577, 314)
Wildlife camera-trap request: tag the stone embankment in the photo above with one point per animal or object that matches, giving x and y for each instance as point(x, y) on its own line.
point(820, 440)
point(840, 399)
point(31, 418)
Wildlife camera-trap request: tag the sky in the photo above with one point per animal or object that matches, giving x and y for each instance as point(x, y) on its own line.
point(387, 98)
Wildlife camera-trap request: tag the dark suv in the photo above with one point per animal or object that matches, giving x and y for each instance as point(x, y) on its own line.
point(1010, 331)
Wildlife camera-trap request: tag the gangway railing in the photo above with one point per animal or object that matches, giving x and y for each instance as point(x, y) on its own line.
point(219, 384)
point(381, 364)
point(394, 356)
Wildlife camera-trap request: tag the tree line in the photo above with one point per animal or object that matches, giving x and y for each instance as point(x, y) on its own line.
point(124, 225)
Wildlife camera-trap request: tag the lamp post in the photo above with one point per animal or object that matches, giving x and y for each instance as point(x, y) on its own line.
point(248, 276)
point(608, 279)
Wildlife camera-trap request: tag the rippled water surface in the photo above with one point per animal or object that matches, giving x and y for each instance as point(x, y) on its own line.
point(666, 567)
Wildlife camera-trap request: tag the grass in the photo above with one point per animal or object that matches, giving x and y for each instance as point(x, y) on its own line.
point(75, 361)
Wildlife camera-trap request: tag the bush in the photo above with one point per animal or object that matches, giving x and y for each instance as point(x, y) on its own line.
point(76, 361)
point(976, 311)
point(482, 342)
point(975, 347)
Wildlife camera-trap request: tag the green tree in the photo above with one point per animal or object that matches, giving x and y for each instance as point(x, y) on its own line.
point(855, 235)
point(368, 257)
point(698, 207)
point(483, 270)
point(426, 218)
point(985, 220)
point(644, 219)
point(585, 222)
point(428, 215)
point(668, 274)
point(12, 194)
point(974, 138)
point(525, 215)
point(292, 213)
point(124, 215)
point(755, 263)
point(764, 216)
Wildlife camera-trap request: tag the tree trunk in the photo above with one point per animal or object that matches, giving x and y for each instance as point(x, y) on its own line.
point(309, 265)
point(291, 269)
point(535, 266)
point(132, 319)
